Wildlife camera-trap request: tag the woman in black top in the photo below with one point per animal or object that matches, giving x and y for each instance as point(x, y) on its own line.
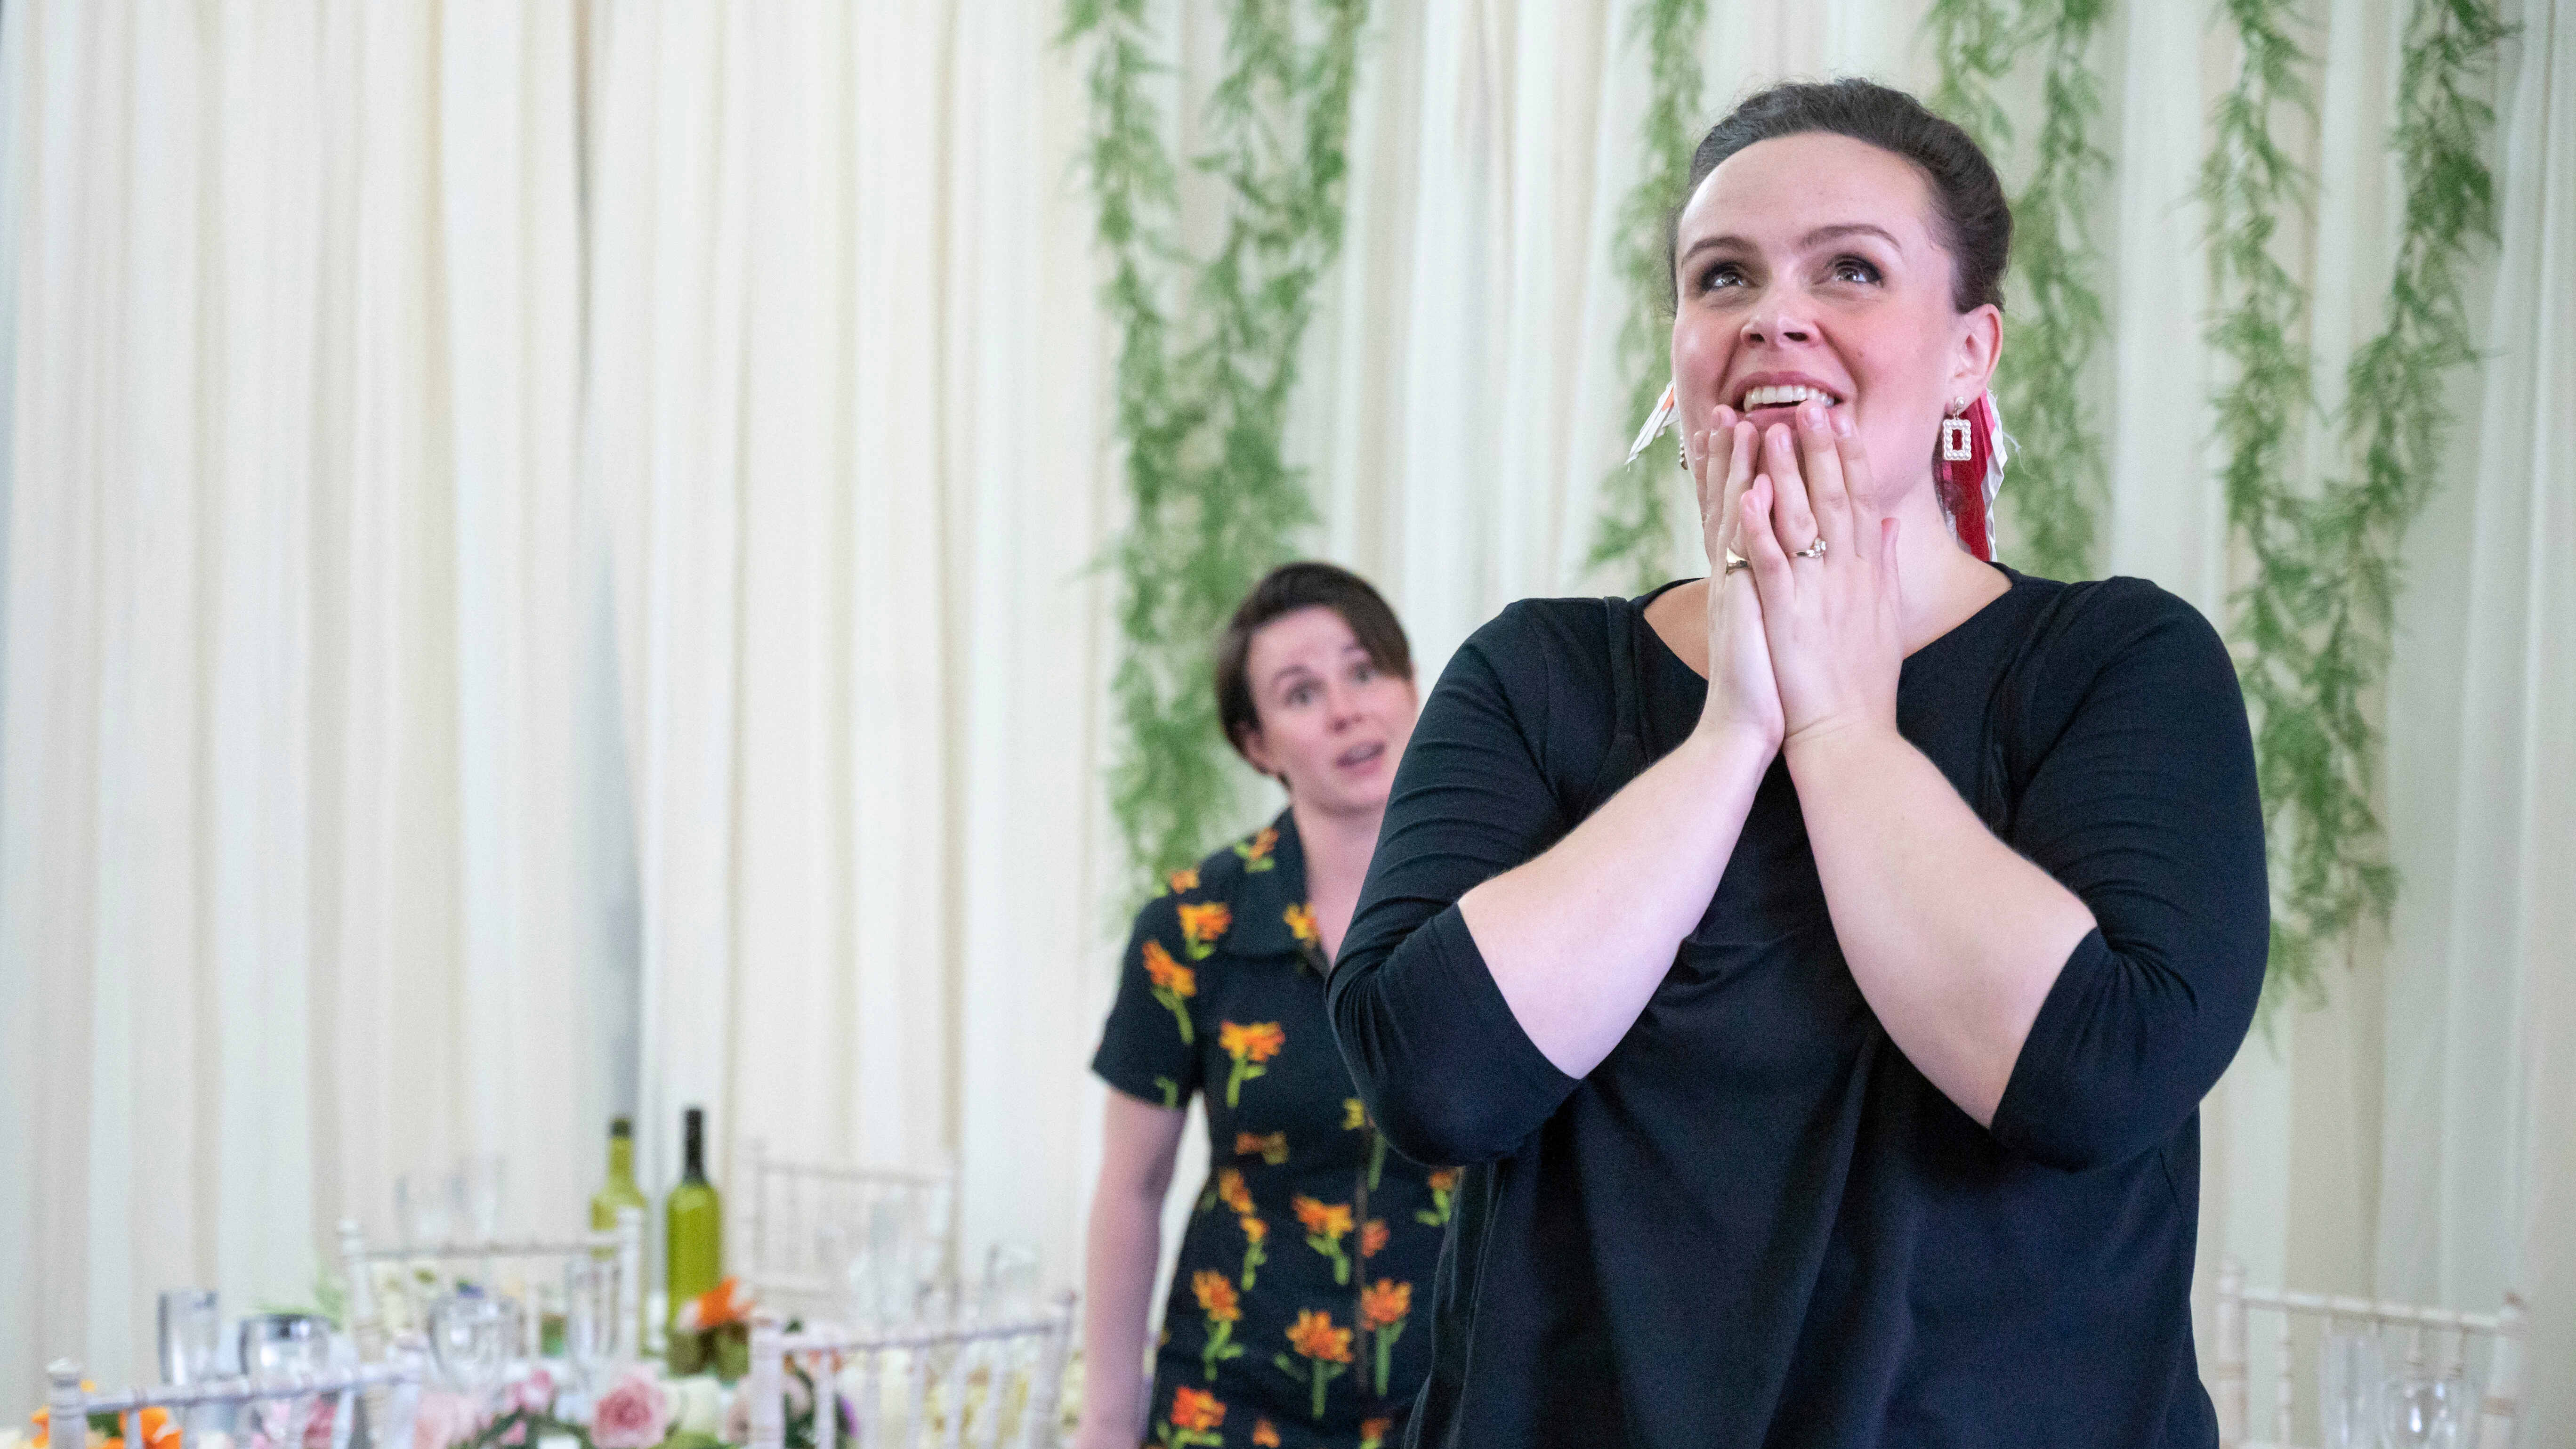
point(1819, 966)
point(1310, 1247)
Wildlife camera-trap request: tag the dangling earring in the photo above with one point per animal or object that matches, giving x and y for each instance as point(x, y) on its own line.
point(1656, 421)
point(1955, 444)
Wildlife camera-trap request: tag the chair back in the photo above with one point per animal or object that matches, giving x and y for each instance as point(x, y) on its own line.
point(843, 1244)
point(962, 1386)
point(391, 1390)
point(2431, 1335)
point(369, 1283)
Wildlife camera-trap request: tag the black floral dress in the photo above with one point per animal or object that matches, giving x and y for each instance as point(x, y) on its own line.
point(1291, 1320)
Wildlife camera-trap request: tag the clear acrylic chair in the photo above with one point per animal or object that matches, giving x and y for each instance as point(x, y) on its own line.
point(378, 1274)
point(2439, 1344)
point(842, 1244)
point(391, 1392)
point(965, 1385)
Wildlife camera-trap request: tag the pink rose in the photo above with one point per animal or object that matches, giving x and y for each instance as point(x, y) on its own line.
point(442, 1419)
point(534, 1394)
point(517, 1433)
point(317, 1429)
point(634, 1415)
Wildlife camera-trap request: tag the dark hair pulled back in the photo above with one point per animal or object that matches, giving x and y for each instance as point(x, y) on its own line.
point(1284, 590)
point(1973, 221)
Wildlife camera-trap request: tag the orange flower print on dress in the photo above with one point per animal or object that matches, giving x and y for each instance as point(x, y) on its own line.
point(1255, 1234)
point(1265, 1435)
point(1384, 1305)
point(1184, 879)
point(1194, 1419)
point(1172, 983)
point(1373, 1432)
point(1256, 851)
point(1202, 925)
point(1326, 1349)
point(1444, 1192)
point(1231, 1191)
point(1373, 1236)
point(1222, 1310)
point(1301, 924)
point(1273, 1146)
point(1250, 1046)
point(1326, 1224)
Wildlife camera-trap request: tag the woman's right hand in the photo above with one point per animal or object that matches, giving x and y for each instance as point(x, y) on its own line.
point(1742, 694)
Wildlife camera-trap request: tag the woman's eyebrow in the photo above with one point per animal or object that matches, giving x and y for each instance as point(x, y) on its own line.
point(1814, 238)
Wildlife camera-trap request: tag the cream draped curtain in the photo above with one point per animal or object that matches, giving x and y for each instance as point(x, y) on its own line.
point(548, 568)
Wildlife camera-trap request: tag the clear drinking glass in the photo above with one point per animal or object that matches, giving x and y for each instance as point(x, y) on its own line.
point(1010, 1288)
point(422, 1212)
point(481, 1178)
point(471, 1337)
point(590, 1314)
point(279, 1345)
point(192, 1330)
point(2348, 1388)
point(2422, 1411)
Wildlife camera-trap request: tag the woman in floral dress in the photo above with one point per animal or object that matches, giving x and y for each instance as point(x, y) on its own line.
point(1292, 1318)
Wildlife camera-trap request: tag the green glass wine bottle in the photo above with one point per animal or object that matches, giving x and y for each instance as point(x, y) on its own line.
point(694, 1219)
point(620, 1191)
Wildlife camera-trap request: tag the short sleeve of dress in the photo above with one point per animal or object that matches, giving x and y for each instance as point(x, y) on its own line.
point(1149, 1048)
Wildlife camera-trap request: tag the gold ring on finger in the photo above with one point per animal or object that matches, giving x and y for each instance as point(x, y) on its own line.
point(1736, 561)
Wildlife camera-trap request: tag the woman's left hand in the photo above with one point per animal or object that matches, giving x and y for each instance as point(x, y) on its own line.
point(1834, 619)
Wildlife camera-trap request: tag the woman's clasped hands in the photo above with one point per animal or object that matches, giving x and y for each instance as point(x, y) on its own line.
point(1805, 617)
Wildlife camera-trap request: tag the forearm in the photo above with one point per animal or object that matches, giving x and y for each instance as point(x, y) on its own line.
point(1124, 1248)
point(1952, 936)
point(1578, 938)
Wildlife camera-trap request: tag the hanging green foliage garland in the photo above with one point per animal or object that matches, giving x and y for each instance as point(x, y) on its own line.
point(2314, 620)
point(2056, 324)
point(1632, 531)
point(1202, 403)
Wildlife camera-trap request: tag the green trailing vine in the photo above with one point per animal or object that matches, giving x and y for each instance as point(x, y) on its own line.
point(1632, 531)
point(2314, 620)
point(1202, 405)
point(2057, 323)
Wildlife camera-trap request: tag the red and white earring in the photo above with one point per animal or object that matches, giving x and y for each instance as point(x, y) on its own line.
point(1968, 471)
point(1656, 421)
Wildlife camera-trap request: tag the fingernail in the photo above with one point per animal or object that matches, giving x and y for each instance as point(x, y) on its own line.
point(1842, 423)
point(1812, 413)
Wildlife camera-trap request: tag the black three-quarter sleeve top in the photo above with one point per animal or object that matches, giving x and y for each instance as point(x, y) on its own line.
point(1755, 1223)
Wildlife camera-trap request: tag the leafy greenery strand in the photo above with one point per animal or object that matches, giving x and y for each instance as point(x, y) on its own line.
point(2315, 618)
point(1202, 405)
point(2057, 323)
point(1632, 530)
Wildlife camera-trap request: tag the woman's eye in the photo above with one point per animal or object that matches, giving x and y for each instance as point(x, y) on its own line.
point(1362, 674)
point(1301, 696)
point(1854, 269)
point(1724, 274)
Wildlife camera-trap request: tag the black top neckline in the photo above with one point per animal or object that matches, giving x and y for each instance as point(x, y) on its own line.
point(2015, 582)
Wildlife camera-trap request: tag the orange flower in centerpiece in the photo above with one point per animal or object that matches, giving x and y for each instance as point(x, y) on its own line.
point(1373, 1236)
point(1264, 1436)
point(1216, 1296)
point(1323, 1219)
point(1385, 1302)
point(1185, 879)
point(1273, 1146)
point(1231, 1191)
point(726, 1303)
point(1256, 851)
point(1203, 924)
point(1301, 924)
point(1314, 1336)
point(1195, 1410)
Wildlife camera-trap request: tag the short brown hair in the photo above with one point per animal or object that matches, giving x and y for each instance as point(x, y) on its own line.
point(1305, 584)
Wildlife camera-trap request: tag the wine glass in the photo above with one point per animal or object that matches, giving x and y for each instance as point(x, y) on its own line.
point(1010, 1288)
point(2348, 1388)
point(590, 1316)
